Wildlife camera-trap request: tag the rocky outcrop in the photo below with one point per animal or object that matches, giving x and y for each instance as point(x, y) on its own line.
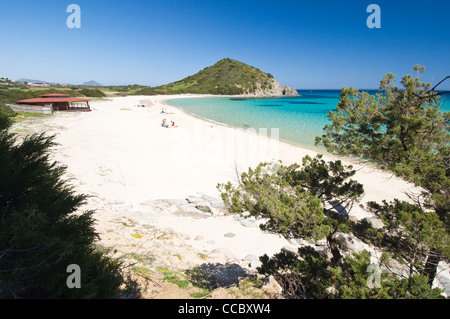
point(290, 91)
point(349, 243)
point(273, 89)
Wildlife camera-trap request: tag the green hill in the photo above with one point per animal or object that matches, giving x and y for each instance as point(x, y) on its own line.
point(227, 77)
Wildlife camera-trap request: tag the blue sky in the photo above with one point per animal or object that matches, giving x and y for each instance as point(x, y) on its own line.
point(305, 44)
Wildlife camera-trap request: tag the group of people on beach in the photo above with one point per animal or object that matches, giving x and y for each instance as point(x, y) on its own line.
point(164, 121)
point(164, 124)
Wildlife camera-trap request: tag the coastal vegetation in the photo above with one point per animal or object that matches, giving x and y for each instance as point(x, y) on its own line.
point(294, 202)
point(89, 92)
point(402, 131)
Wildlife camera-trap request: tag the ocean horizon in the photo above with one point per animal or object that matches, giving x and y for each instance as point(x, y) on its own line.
point(299, 119)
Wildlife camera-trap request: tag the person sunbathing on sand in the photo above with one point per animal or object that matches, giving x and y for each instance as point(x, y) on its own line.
point(173, 124)
point(164, 123)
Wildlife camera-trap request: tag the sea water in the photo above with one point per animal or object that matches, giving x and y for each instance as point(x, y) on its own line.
point(299, 119)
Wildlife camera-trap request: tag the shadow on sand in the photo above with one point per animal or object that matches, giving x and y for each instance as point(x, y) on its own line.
point(212, 276)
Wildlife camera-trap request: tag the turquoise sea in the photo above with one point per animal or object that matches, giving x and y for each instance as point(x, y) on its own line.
point(299, 119)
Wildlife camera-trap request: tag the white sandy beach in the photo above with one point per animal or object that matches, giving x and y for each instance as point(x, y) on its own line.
point(120, 154)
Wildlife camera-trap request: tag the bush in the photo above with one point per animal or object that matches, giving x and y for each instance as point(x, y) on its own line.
point(92, 93)
point(6, 111)
point(13, 95)
point(146, 91)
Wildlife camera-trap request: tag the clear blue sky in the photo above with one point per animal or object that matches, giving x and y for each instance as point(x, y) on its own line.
point(305, 44)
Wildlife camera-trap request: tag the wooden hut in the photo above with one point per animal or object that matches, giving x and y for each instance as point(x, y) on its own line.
point(59, 102)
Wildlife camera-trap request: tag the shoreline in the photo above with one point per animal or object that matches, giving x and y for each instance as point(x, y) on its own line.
point(295, 144)
point(316, 150)
point(125, 158)
point(303, 150)
point(140, 174)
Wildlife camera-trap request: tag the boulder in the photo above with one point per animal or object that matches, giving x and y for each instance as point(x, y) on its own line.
point(290, 91)
point(214, 202)
point(322, 242)
point(349, 242)
point(248, 223)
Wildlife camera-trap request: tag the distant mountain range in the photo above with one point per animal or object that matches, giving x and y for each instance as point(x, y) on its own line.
point(92, 83)
point(89, 83)
point(34, 81)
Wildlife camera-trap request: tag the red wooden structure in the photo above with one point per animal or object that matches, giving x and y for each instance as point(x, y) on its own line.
point(59, 102)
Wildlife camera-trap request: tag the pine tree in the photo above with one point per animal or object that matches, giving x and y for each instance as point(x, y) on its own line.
point(402, 130)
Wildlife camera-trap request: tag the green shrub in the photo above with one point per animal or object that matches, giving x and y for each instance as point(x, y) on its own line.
point(92, 92)
point(146, 91)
